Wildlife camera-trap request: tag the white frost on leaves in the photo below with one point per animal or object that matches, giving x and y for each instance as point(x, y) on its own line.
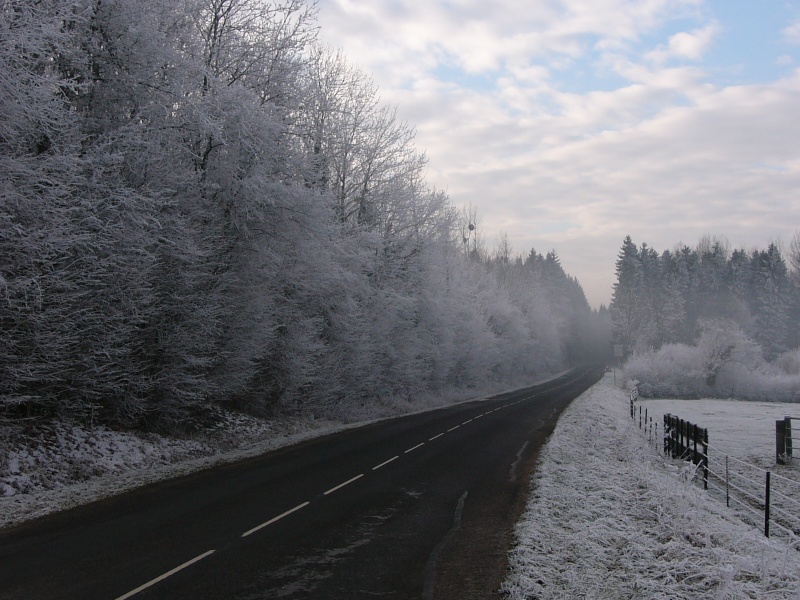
point(609, 518)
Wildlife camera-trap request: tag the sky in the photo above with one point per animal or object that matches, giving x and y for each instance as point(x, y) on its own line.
point(569, 124)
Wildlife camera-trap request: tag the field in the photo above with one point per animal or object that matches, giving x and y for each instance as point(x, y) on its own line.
point(610, 517)
point(744, 430)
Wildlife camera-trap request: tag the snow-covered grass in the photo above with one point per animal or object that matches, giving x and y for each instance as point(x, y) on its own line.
point(610, 518)
point(745, 433)
point(56, 465)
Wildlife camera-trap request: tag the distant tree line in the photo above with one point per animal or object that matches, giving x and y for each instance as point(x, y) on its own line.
point(669, 297)
point(202, 206)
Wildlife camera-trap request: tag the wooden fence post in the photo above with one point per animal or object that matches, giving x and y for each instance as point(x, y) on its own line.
point(673, 437)
point(780, 442)
point(676, 436)
point(705, 459)
point(684, 438)
point(727, 484)
point(788, 432)
point(766, 508)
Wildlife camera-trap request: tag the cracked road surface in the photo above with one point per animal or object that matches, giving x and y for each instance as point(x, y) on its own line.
point(421, 506)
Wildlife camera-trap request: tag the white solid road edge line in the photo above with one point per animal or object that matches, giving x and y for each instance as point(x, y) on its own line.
point(414, 448)
point(165, 575)
point(384, 463)
point(278, 518)
point(341, 485)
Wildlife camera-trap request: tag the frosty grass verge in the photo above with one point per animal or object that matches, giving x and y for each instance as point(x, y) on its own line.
point(60, 465)
point(610, 518)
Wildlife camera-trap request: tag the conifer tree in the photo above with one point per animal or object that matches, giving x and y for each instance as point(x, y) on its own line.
point(625, 309)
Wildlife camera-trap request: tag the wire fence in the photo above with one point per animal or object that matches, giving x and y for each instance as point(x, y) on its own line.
point(646, 422)
point(761, 497)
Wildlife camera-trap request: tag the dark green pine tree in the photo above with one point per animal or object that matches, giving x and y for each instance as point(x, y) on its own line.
point(771, 301)
point(684, 280)
point(625, 299)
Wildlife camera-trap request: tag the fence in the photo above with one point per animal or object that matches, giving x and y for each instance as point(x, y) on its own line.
point(686, 441)
point(646, 422)
point(760, 496)
point(784, 442)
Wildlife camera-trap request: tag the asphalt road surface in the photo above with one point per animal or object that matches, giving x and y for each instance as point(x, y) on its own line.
point(421, 506)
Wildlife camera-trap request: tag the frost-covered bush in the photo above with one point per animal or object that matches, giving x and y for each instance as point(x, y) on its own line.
point(671, 370)
point(765, 384)
point(789, 362)
point(722, 342)
point(724, 363)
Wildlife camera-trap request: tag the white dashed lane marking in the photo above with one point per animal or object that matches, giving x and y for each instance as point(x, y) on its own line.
point(152, 582)
point(200, 557)
point(278, 518)
point(341, 485)
point(384, 463)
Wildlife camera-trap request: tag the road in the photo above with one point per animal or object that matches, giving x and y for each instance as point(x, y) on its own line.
point(421, 506)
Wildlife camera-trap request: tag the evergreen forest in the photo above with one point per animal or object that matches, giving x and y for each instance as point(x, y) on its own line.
point(710, 320)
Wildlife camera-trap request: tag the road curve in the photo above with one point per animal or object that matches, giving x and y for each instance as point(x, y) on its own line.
point(421, 506)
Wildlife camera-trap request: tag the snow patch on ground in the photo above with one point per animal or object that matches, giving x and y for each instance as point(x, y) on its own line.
point(610, 518)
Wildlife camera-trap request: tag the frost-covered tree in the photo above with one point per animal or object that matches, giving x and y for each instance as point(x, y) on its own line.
point(794, 258)
point(78, 238)
point(722, 342)
point(794, 292)
point(199, 206)
point(358, 149)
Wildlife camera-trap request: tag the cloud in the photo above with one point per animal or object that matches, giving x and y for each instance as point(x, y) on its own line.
point(590, 127)
point(392, 36)
point(791, 33)
point(687, 46)
point(684, 172)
